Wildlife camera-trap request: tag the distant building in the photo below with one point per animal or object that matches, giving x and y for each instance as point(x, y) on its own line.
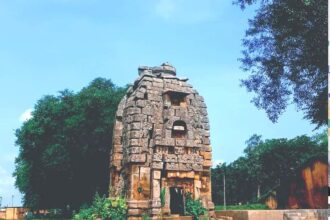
point(307, 191)
point(13, 213)
point(310, 189)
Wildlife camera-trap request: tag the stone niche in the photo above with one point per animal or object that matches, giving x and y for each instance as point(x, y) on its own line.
point(161, 143)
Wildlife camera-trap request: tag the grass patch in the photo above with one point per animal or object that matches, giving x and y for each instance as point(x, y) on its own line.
point(242, 207)
point(50, 219)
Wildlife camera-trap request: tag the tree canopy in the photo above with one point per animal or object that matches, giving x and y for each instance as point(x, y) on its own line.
point(64, 148)
point(267, 165)
point(285, 50)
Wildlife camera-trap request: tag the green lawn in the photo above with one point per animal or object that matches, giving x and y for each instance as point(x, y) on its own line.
point(242, 207)
point(50, 219)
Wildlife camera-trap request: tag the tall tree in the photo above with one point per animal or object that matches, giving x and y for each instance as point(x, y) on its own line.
point(64, 148)
point(285, 49)
point(270, 164)
point(252, 143)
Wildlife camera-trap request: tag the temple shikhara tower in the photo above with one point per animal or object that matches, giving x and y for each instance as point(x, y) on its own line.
point(161, 145)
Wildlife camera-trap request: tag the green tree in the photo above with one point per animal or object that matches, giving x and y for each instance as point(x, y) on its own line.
point(253, 152)
point(285, 49)
point(252, 143)
point(64, 148)
point(269, 164)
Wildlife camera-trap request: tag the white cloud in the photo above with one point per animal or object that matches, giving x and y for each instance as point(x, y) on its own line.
point(26, 115)
point(186, 11)
point(216, 162)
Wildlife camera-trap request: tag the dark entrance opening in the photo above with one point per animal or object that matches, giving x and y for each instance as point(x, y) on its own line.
point(176, 201)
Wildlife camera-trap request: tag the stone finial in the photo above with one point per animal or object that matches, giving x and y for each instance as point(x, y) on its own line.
point(169, 68)
point(166, 68)
point(144, 70)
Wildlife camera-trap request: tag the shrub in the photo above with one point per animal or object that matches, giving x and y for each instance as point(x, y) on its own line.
point(243, 207)
point(104, 208)
point(194, 207)
point(145, 217)
point(162, 197)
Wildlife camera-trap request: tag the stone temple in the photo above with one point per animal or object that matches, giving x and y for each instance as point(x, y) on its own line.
point(161, 145)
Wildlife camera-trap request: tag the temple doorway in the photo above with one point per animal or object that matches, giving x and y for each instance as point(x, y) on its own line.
point(176, 200)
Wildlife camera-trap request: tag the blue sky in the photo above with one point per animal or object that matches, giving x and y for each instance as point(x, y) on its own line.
point(47, 46)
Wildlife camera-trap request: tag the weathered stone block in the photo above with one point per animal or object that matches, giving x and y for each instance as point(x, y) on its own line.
point(157, 165)
point(207, 163)
point(132, 204)
point(179, 150)
point(134, 212)
point(157, 157)
point(118, 125)
point(135, 169)
point(156, 174)
point(117, 156)
point(138, 158)
point(206, 155)
point(117, 148)
point(143, 204)
point(185, 167)
point(116, 163)
point(139, 95)
point(146, 84)
point(168, 142)
point(172, 166)
point(190, 174)
point(190, 143)
point(206, 148)
point(130, 103)
point(171, 158)
point(117, 140)
point(137, 118)
point(156, 212)
point(133, 142)
point(206, 140)
point(135, 150)
point(135, 134)
point(157, 80)
point(132, 111)
point(197, 167)
point(144, 170)
point(180, 142)
point(210, 205)
point(135, 126)
point(198, 184)
point(153, 97)
point(140, 103)
point(155, 188)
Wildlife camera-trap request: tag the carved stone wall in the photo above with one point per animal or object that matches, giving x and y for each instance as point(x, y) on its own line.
point(161, 140)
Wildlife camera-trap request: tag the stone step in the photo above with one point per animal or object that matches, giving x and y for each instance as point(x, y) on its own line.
point(224, 218)
point(305, 215)
point(177, 217)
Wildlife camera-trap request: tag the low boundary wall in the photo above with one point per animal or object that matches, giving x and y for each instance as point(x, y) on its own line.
point(297, 214)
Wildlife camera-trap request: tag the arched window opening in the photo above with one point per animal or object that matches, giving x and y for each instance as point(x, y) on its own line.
point(179, 129)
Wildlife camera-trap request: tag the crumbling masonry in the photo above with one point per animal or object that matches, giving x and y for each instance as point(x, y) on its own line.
point(161, 143)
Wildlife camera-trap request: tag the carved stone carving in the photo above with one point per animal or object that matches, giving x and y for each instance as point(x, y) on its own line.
point(157, 157)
